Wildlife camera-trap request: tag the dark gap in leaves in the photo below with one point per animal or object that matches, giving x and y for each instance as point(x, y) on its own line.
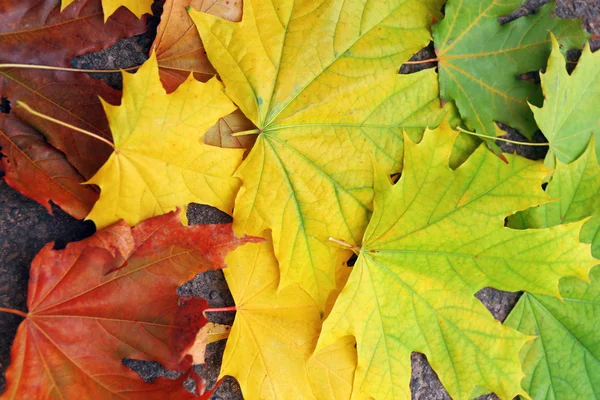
point(77, 230)
point(154, 19)
point(352, 260)
point(532, 76)
point(4, 105)
point(528, 8)
point(211, 285)
point(573, 56)
point(199, 214)
point(424, 382)
point(395, 177)
point(209, 372)
point(530, 152)
point(498, 302)
point(425, 53)
point(126, 53)
point(149, 370)
point(544, 185)
point(190, 385)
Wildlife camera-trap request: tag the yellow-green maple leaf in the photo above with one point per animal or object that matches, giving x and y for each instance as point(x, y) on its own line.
point(570, 115)
point(274, 333)
point(137, 7)
point(319, 79)
point(435, 239)
point(160, 162)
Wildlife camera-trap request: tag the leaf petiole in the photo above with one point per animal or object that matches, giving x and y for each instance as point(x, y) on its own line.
point(249, 132)
point(429, 60)
point(502, 139)
point(355, 249)
point(220, 309)
point(56, 121)
point(13, 311)
point(66, 69)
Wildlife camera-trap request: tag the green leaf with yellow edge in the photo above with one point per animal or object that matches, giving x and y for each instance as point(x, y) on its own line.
point(564, 361)
point(480, 61)
point(570, 115)
point(320, 82)
point(274, 333)
point(160, 162)
point(137, 7)
point(435, 239)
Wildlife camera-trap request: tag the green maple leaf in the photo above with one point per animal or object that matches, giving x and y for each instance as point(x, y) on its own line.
point(320, 82)
point(577, 188)
point(435, 239)
point(480, 61)
point(570, 115)
point(564, 361)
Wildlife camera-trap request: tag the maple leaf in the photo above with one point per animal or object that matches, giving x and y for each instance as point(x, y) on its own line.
point(178, 47)
point(274, 332)
point(179, 51)
point(137, 7)
point(569, 117)
point(27, 158)
point(221, 133)
point(435, 239)
point(577, 188)
point(564, 361)
point(71, 97)
point(160, 162)
point(109, 297)
point(480, 60)
point(331, 370)
point(326, 98)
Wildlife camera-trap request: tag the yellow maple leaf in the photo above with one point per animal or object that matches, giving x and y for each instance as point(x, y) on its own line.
point(273, 334)
point(326, 97)
point(160, 161)
point(137, 7)
point(331, 370)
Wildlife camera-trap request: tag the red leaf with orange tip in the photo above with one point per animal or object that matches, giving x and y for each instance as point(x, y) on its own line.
point(36, 32)
point(41, 172)
point(84, 319)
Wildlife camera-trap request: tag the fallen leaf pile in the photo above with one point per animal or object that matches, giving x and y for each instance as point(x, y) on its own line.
point(291, 116)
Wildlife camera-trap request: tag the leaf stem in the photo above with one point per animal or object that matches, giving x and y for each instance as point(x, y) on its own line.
point(249, 132)
point(13, 311)
point(344, 244)
point(502, 139)
point(56, 121)
point(220, 309)
point(66, 69)
point(429, 60)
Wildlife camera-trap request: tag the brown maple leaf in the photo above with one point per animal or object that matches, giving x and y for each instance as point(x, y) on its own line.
point(41, 172)
point(36, 32)
point(178, 47)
